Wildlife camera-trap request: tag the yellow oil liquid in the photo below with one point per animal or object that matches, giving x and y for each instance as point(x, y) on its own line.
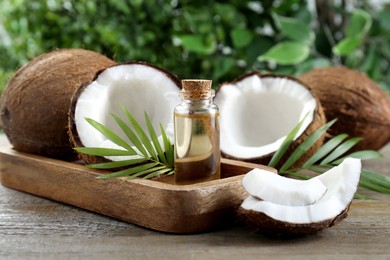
point(197, 153)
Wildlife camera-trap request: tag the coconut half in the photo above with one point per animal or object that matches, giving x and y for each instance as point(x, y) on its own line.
point(341, 183)
point(258, 111)
point(139, 87)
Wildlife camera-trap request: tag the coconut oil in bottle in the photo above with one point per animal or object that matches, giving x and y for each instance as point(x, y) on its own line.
point(197, 152)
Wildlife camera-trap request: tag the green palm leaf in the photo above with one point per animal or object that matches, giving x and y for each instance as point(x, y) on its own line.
point(151, 159)
point(99, 151)
point(340, 150)
point(168, 147)
point(325, 149)
point(130, 135)
point(285, 145)
point(150, 170)
point(129, 171)
point(306, 145)
point(109, 134)
point(155, 141)
point(375, 182)
point(141, 134)
point(156, 173)
point(116, 164)
point(364, 155)
point(331, 150)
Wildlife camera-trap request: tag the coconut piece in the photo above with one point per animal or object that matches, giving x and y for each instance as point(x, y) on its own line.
point(268, 186)
point(258, 111)
point(139, 87)
point(360, 105)
point(341, 182)
point(35, 103)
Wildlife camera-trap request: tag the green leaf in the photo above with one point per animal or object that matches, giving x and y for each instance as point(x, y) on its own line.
point(359, 23)
point(131, 135)
point(364, 155)
point(325, 149)
point(340, 150)
point(286, 53)
point(168, 147)
point(306, 145)
point(155, 141)
point(294, 29)
point(109, 134)
point(241, 37)
point(99, 151)
point(156, 173)
point(362, 196)
point(285, 145)
point(346, 46)
point(150, 170)
point(198, 43)
point(144, 138)
point(116, 164)
point(374, 181)
point(129, 171)
point(296, 175)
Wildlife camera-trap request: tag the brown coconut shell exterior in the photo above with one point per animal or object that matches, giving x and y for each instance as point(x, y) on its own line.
point(35, 104)
point(360, 105)
point(267, 225)
point(73, 134)
point(319, 120)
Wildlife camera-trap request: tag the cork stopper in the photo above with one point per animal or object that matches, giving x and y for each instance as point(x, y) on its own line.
point(196, 89)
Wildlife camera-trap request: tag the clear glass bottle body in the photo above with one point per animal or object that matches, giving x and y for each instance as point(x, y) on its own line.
point(197, 151)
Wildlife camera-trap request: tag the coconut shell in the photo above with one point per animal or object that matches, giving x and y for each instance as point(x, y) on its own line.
point(360, 105)
point(319, 120)
point(72, 127)
point(267, 225)
point(35, 104)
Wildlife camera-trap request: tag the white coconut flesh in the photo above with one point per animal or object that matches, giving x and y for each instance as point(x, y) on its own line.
point(139, 88)
point(277, 189)
point(341, 182)
point(258, 112)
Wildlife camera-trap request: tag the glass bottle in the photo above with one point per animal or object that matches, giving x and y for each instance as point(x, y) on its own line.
point(197, 152)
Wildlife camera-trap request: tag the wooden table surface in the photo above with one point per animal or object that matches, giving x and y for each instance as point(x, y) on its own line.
point(32, 227)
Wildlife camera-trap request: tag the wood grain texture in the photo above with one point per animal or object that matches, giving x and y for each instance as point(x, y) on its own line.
point(180, 208)
point(36, 228)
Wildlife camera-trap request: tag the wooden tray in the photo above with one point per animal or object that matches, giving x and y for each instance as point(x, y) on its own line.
point(158, 205)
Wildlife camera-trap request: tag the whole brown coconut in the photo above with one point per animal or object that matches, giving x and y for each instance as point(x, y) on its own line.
point(35, 103)
point(360, 105)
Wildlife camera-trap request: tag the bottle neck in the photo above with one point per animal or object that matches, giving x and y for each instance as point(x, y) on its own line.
point(186, 100)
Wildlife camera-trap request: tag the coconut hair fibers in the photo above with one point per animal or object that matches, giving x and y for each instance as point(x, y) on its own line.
point(197, 152)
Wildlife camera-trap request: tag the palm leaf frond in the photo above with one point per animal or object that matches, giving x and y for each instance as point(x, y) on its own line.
point(141, 134)
point(325, 149)
point(332, 153)
point(306, 145)
point(144, 157)
point(285, 145)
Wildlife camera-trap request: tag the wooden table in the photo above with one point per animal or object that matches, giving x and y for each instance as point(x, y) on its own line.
point(32, 227)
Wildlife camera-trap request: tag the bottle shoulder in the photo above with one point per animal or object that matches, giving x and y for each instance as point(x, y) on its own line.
point(211, 108)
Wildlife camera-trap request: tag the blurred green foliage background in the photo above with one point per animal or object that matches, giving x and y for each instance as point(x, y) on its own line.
point(219, 40)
